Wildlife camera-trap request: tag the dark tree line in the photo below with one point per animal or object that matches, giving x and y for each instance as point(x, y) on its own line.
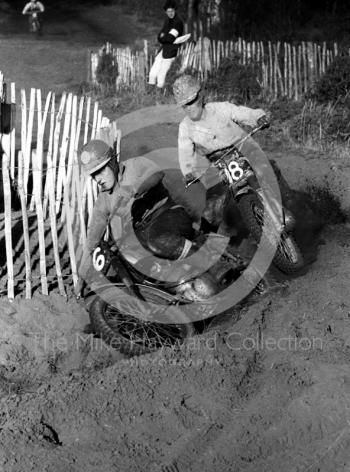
point(261, 19)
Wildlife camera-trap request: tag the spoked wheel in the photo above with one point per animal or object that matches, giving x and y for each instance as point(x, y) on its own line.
point(129, 326)
point(34, 26)
point(288, 257)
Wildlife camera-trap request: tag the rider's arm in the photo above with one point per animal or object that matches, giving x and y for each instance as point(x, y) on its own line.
point(139, 174)
point(147, 174)
point(41, 6)
point(26, 8)
point(245, 115)
point(99, 221)
point(186, 150)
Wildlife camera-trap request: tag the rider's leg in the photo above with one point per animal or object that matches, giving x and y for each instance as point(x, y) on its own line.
point(193, 198)
point(221, 211)
point(216, 197)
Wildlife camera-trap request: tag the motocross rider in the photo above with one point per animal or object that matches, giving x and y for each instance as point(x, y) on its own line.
point(207, 127)
point(132, 190)
point(32, 8)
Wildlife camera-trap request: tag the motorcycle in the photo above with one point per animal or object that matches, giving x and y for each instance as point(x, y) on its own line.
point(261, 210)
point(34, 23)
point(136, 311)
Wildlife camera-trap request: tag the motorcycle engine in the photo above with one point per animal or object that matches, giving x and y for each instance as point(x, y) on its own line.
point(199, 289)
point(289, 220)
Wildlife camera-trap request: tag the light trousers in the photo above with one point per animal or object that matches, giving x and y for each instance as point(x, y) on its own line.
point(159, 70)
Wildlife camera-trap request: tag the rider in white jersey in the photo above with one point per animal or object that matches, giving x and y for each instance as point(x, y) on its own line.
point(207, 127)
point(33, 6)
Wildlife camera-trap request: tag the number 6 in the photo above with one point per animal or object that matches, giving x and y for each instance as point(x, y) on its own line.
point(98, 260)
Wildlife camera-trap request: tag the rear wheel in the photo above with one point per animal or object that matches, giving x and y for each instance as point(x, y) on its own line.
point(288, 257)
point(120, 321)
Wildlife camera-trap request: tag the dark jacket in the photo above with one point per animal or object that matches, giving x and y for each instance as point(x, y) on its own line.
point(174, 25)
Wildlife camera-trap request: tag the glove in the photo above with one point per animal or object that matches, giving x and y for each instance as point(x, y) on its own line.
point(263, 122)
point(189, 178)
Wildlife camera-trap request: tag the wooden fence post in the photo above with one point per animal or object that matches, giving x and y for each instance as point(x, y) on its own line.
point(37, 186)
point(13, 135)
point(295, 73)
point(8, 224)
point(273, 91)
point(311, 64)
point(305, 66)
point(290, 69)
point(22, 195)
point(51, 175)
point(6, 153)
point(28, 144)
point(63, 153)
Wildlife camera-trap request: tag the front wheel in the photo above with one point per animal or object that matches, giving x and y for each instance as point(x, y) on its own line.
point(34, 26)
point(120, 321)
point(288, 257)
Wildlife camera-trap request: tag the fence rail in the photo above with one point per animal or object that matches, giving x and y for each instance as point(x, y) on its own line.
point(286, 69)
point(42, 171)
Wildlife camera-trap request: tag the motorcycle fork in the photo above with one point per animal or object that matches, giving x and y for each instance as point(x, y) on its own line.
point(122, 271)
point(274, 210)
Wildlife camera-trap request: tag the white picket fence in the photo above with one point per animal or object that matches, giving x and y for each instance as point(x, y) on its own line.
point(286, 69)
point(56, 201)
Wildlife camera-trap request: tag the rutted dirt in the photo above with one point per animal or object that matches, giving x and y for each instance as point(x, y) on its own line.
point(265, 388)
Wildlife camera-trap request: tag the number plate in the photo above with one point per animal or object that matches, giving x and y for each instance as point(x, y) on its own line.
point(234, 171)
point(98, 259)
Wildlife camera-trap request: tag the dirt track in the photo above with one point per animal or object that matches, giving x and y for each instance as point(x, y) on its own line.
point(265, 388)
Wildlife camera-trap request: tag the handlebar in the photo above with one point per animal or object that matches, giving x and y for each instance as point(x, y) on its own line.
point(237, 145)
point(249, 135)
point(32, 12)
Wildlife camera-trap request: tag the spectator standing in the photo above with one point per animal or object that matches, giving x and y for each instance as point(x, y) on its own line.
point(172, 29)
